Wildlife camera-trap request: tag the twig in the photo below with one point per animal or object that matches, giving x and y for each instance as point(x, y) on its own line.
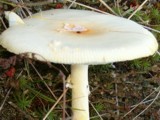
point(64, 96)
point(118, 7)
point(141, 102)
point(3, 23)
point(148, 106)
point(105, 114)
point(151, 29)
point(109, 8)
point(32, 4)
point(23, 13)
point(139, 8)
point(8, 3)
point(63, 78)
point(64, 92)
point(5, 99)
point(22, 6)
point(43, 80)
point(14, 105)
point(21, 111)
point(89, 7)
point(158, 53)
point(96, 111)
point(127, 12)
point(8, 93)
point(116, 92)
point(71, 4)
point(117, 101)
point(147, 101)
point(65, 68)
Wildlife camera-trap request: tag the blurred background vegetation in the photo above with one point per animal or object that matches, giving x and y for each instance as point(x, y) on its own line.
point(28, 88)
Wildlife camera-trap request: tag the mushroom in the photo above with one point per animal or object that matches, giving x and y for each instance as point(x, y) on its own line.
point(78, 38)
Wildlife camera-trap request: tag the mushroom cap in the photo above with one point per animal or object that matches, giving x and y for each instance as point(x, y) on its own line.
point(79, 37)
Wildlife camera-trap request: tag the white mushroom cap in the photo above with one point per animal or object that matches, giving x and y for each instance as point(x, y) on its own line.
point(13, 18)
point(79, 37)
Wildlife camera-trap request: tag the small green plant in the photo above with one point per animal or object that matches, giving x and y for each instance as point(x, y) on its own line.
point(23, 101)
point(101, 68)
point(99, 107)
point(41, 112)
point(141, 64)
point(155, 16)
point(33, 96)
point(28, 85)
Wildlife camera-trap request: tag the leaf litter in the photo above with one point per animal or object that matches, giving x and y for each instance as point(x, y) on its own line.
point(123, 92)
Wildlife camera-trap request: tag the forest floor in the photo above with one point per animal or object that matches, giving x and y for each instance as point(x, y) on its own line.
point(119, 91)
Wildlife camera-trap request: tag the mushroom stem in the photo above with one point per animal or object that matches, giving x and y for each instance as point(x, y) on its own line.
point(80, 92)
